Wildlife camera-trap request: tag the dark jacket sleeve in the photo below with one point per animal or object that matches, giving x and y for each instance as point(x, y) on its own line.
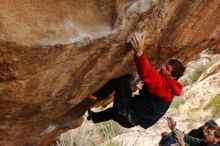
point(197, 133)
point(192, 141)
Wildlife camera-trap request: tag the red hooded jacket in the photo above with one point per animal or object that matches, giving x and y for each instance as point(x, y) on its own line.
point(164, 88)
point(155, 97)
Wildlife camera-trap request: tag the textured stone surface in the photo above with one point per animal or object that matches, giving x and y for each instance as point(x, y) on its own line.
point(212, 70)
point(53, 54)
point(201, 62)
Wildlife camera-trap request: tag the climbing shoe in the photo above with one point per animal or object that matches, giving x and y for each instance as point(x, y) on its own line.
point(93, 97)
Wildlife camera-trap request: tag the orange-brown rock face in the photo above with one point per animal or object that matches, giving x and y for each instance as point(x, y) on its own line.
point(54, 54)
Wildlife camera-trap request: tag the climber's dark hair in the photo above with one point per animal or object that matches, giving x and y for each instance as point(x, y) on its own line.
point(178, 68)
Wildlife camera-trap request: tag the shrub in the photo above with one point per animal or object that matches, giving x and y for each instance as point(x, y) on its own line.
point(209, 51)
point(109, 129)
point(196, 57)
point(177, 102)
point(198, 71)
point(184, 82)
point(112, 143)
point(214, 103)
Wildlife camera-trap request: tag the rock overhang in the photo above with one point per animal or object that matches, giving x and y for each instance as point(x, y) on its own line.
point(44, 74)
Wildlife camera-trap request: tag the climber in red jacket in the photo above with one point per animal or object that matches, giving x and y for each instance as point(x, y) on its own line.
point(154, 98)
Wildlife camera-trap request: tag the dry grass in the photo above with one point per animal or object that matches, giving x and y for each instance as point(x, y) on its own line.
point(214, 104)
point(177, 102)
point(198, 72)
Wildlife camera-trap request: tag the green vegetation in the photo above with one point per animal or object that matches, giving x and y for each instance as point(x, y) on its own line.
point(215, 104)
point(198, 71)
point(196, 57)
point(209, 51)
point(177, 102)
point(108, 130)
point(184, 82)
point(112, 143)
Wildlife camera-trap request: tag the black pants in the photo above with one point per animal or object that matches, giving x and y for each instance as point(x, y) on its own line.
point(119, 111)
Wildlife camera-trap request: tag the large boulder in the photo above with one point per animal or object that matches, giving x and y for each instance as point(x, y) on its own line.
point(54, 54)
